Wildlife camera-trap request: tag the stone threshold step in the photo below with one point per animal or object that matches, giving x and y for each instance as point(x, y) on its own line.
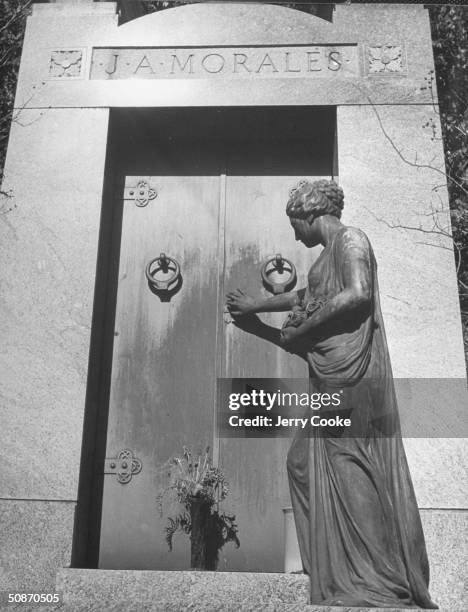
point(87, 590)
point(220, 607)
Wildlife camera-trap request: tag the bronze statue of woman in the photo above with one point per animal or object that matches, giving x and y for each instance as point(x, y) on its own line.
point(357, 520)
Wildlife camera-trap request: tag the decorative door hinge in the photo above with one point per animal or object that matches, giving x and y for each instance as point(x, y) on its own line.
point(125, 465)
point(141, 194)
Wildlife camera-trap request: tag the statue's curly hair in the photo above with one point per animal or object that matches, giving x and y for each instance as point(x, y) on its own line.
point(308, 200)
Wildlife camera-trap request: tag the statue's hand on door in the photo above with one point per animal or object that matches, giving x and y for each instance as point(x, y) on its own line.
point(240, 304)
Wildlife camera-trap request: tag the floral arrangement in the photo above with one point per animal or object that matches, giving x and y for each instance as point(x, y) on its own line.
point(198, 487)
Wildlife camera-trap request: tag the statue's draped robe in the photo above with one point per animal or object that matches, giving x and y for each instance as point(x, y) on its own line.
point(358, 524)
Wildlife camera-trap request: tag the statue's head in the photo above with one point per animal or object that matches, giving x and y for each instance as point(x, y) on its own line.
point(309, 200)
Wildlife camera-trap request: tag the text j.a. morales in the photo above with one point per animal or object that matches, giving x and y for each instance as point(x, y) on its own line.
point(127, 63)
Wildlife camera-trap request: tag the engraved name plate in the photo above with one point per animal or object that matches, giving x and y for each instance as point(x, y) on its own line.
point(320, 61)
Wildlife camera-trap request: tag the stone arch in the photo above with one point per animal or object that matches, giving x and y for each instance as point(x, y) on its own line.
point(134, 9)
point(219, 22)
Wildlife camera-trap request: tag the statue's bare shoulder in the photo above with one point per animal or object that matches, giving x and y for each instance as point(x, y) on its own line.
point(354, 235)
point(353, 242)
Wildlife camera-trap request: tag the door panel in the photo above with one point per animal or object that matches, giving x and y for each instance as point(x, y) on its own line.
point(256, 229)
point(163, 373)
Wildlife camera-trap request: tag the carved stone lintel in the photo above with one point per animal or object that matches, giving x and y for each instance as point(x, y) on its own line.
point(385, 59)
point(124, 466)
point(66, 63)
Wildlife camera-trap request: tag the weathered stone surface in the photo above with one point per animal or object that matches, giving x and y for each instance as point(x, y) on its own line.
point(446, 534)
point(417, 282)
point(197, 591)
point(35, 540)
point(405, 29)
point(190, 590)
point(182, 588)
point(217, 606)
point(383, 154)
point(48, 251)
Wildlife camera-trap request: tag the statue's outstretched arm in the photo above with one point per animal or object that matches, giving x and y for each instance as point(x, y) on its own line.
point(240, 304)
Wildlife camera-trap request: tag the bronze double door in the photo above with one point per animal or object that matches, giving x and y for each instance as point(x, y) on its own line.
point(216, 208)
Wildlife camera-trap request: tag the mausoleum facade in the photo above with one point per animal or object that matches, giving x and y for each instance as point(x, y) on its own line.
point(181, 133)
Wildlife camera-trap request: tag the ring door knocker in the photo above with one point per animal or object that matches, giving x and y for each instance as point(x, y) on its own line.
point(171, 281)
point(279, 266)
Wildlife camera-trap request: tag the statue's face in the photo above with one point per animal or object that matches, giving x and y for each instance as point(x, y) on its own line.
point(308, 233)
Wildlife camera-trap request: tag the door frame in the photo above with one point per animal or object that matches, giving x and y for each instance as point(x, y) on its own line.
point(86, 533)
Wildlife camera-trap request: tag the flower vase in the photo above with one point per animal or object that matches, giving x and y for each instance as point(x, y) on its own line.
point(203, 549)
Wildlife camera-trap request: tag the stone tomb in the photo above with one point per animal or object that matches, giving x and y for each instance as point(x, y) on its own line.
point(182, 132)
